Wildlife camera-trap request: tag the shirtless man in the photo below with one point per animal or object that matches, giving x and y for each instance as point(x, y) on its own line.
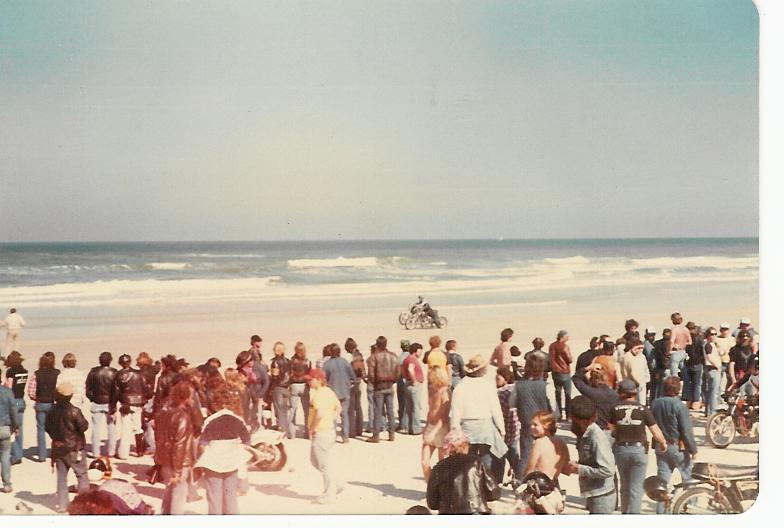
point(548, 454)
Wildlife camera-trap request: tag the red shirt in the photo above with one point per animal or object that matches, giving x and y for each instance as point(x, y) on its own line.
point(418, 374)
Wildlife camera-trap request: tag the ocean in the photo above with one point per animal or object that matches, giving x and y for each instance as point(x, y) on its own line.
point(137, 273)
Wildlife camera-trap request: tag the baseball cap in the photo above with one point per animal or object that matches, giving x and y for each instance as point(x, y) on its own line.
point(650, 330)
point(724, 325)
point(316, 373)
point(404, 344)
point(627, 385)
point(745, 320)
point(562, 333)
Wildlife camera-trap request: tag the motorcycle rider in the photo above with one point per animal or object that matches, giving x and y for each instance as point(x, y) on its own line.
point(132, 394)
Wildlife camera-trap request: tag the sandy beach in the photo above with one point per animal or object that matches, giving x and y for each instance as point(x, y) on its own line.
point(381, 478)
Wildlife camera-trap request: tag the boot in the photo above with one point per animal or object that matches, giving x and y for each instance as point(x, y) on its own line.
point(141, 448)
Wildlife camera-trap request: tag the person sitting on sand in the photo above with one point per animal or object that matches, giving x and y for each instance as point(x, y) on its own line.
point(548, 453)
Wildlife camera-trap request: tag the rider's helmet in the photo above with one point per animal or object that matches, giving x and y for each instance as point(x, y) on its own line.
point(655, 488)
point(420, 298)
point(538, 484)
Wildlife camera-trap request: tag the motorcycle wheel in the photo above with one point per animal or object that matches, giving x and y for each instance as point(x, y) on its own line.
point(443, 321)
point(276, 457)
point(410, 323)
point(702, 501)
point(402, 318)
point(720, 429)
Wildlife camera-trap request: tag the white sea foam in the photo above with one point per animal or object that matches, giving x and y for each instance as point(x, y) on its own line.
point(339, 262)
point(568, 261)
point(167, 266)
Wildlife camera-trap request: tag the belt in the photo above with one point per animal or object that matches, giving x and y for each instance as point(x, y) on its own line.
point(630, 444)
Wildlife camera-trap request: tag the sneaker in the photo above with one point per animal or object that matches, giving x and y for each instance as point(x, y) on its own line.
point(373, 440)
point(15, 461)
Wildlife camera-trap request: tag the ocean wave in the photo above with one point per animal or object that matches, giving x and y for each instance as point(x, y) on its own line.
point(339, 262)
point(168, 266)
point(568, 261)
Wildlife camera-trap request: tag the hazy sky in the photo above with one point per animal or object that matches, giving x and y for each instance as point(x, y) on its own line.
point(422, 119)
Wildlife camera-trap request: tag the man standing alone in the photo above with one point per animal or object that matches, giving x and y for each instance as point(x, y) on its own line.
point(560, 366)
point(13, 329)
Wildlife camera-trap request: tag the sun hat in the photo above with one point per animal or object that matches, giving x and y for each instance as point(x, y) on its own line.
point(65, 389)
point(475, 365)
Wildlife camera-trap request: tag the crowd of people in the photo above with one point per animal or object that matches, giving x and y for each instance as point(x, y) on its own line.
point(489, 422)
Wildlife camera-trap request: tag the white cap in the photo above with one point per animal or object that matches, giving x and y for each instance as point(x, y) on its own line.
point(650, 330)
point(745, 320)
point(725, 325)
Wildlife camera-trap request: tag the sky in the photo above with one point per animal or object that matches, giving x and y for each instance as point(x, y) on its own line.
point(370, 120)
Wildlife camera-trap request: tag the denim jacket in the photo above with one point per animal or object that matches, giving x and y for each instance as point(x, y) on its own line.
point(7, 408)
point(596, 463)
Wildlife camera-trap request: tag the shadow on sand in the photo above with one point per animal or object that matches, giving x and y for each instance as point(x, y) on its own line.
point(392, 491)
point(282, 490)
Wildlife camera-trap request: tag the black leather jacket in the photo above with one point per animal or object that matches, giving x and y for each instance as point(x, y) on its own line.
point(100, 385)
point(459, 484)
point(66, 425)
point(131, 387)
point(165, 382)
point(174, 439)
point(283, 364)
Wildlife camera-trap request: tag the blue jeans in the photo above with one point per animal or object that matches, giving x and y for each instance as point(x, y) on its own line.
point(667, 462)
point(498, 465)
point(221, 492)
point(402, 401)
point(413, 415)
point(5, 454)
point(526, 442)
point(77, 461)
point(562, 382)
point(631, 461)
point(676, 362)
point(371, 407)
point(281, 402)
point(17, 448)
point(101, 419)
point(355, 412)
point(41, 410)
point(711, 387)
point(692, 383)
point(657, 384)
point(299, 393)
point(344, 423)
point(603, 504)
point(383, 399)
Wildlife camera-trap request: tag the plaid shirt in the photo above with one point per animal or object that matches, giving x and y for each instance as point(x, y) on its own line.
point(511, 422)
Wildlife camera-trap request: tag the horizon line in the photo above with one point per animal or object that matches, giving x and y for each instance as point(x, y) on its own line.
point(486, 239)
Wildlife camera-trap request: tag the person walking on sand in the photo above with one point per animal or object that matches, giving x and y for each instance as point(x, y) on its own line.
point(13, 329)
point(439, 404)
point(561, 367)
point(324, 410)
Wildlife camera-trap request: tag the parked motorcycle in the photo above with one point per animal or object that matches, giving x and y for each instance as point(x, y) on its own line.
point(537, 494)
point(268, 451)
point(742, 414)
point(711, 489)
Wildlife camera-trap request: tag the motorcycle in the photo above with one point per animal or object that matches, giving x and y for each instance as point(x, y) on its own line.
point(742, 414)
point(422, 320)
point(269, 453)
point(412, 311)
point(712, 489)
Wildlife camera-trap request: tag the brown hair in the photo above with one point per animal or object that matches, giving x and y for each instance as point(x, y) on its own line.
point(14, 359)
point(547, 420)
point(143, 360)
point(672, 386)
point(506, 334)
point(434, 341)
point(299, 349)
point(46, 361)
point(69, 360)
point(599, 377)
point(676, 318)
point(450, 345)
point(534, 367)
point(180, 393)
point(94, 502)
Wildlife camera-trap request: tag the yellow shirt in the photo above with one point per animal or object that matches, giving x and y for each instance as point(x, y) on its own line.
point(324, 409)
point(436, 358)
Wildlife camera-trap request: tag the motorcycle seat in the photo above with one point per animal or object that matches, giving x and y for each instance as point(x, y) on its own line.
point(706, 471)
